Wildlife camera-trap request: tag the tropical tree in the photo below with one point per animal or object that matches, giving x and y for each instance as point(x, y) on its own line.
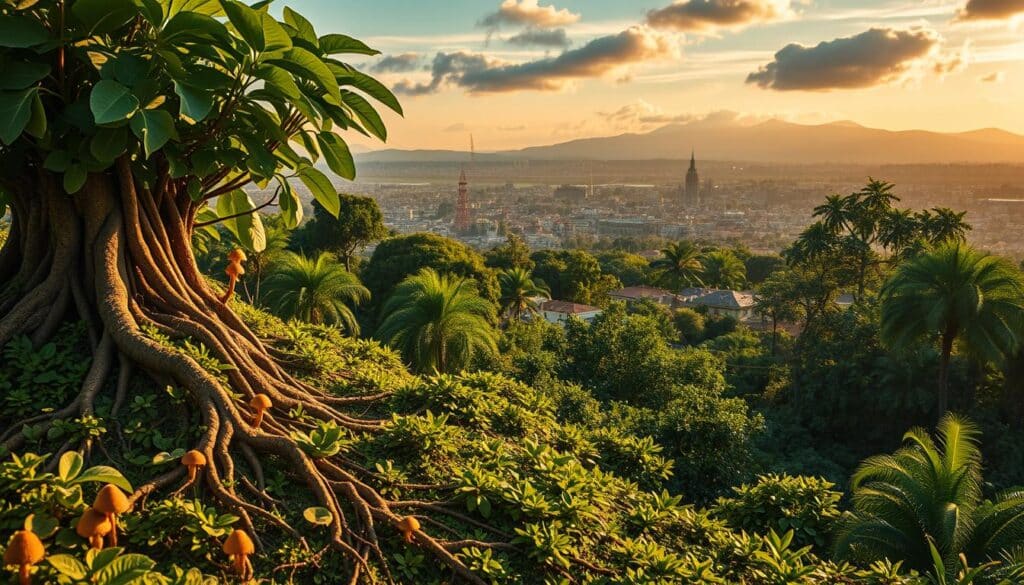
point(438, 322)
point(680, 266)
point(124, 126)
point(358, 222)
point(518, 291)
point(316, 291)
point(929, 493)
point(954, 293)
point(722, 269)
point(942, 224)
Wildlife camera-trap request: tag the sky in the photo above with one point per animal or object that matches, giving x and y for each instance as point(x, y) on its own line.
point(515, 73)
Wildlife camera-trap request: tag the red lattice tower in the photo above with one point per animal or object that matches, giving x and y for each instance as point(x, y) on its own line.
point(462, 205)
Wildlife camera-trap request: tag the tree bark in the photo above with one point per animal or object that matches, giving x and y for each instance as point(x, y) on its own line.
point(118, 256)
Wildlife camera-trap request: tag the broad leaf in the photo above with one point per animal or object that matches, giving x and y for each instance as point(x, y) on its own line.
point(15, 113)
point(68, 566)
point(276, 38)
point(154, 128)
point(374, 89)
point(317, 515)
point(247, 22)
point(291, 206)
point(322, 189)
point(22, 74)
point(367, 115)
point(124, 569)
point(337, 155)
point(104, 474)
point(306, 64)
point(195, 103)
point(247, 227)
point(112, 102)
point(109, 143)
point(74, 178)
point(70, 465)
point(18, 32)
point(334, 44)
point(103, 16)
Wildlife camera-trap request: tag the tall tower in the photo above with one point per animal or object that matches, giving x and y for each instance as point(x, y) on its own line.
point(461, 224)
point(692, 192)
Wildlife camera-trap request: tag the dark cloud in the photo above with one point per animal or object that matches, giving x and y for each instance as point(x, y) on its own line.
point(479, 74)
point(870, 58)
point(706, 15)
point(398, 63)
point(536, 37)
point(528, 13)
point(990, 9)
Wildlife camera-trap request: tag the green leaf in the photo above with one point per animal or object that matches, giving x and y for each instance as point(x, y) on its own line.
point(275, 36)
point(322, 189)
point(337, 155)
point(247, 228)
point(303, 27)
point(375, 89)
point(306, 64)
point(74, 178)
point(68, 566)
point(190, 26)
point(195, 103)
point(103, 16)
point(247, 22)
point(104, 474)
point(22, 74)
point(109, 143)
point(15, 113)
point(367, 115)
point(154, 128)
point(124, 569)
point(19, 32)
point(57, 161)
point(37, 121)
point(70, 465)
point(42, 524)
point(290, 204)
point(280, 80)
point(334, 44)
point(204, 7)
point(318, 516)
point(112, 102)
point(97, 559)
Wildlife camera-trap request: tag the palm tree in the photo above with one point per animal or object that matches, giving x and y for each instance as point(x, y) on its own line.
point(899, 230)
point(954, 292)
point(722, 269)
point(835, 212)
point(518, 290)
point(942, 224)
point(438, 322)
point(317, 291)
point(680, 266)
point(929, 493)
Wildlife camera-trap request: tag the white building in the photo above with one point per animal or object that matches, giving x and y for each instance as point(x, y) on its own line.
point(559, 311)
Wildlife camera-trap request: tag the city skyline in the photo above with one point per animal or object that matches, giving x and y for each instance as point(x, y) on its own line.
point(518, 73)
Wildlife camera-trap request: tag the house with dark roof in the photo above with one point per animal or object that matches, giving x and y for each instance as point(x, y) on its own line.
point(736, 304)
point(560, 311)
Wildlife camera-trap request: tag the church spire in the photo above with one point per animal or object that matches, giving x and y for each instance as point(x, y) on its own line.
point(693, 160)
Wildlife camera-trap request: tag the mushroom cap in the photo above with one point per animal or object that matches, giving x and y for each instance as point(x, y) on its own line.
point(408, 524)
point(93, 523)
point(25, 548)
point(238, 543)
point(193, 459)
point(111, 500)
point(261, 401)
point(236, 255)
point(234, 269)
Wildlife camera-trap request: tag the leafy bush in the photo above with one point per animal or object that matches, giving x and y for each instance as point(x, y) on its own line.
point(34, 378)
point(806, 505)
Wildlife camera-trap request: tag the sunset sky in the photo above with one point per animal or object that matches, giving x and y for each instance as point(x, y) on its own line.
point(525, 72)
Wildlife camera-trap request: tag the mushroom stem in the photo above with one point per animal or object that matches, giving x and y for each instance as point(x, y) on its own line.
point(239, 564)
point(258, 419)
point(192, 473)
point(23, 575)
point(96, 541)
point(113, 529)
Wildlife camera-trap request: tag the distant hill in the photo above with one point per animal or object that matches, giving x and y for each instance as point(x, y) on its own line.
point(771, 141)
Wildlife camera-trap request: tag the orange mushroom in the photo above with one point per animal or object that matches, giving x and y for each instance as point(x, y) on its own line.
point(94, 526)
point(408, 527)
point(24, 550)
point(238, 547)
point(259, 403)
point(110, 502)
point(234, 270)
point(193, 460)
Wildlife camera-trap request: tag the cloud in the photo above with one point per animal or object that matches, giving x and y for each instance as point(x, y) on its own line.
point(478, 73)
point(954, 62)
point(513, 128)
point(529, 13)
point(641, 113)
point(873, 57)
point(994, 77)
point(710, 15)
point(540, 37)
point(398, 63)
point(457, 127)
point(990, 9)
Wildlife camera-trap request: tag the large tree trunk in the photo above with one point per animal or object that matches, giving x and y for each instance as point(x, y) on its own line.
point(118, 257)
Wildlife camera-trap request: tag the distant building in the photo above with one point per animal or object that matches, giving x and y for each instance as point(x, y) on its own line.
point(571, 193)
point(560, 311)
point(631, 226)
point(461, 225)
point(691, 192)
point(738, 305)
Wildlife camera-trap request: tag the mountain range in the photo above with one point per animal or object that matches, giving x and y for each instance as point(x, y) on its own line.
point(770, 141)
